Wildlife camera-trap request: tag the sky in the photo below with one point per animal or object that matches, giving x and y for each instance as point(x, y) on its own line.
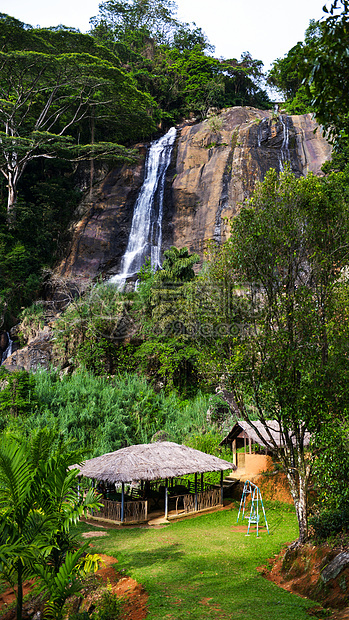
point(265, 28)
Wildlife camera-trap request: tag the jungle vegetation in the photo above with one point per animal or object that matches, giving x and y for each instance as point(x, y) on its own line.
point(263, 326)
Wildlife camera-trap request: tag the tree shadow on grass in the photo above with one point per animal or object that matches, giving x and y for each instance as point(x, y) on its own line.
point(161, 555)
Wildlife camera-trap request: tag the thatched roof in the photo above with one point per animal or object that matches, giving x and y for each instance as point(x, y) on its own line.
point(152, 461)
point(272, 426)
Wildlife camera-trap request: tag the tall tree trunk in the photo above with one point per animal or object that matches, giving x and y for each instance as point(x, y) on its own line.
point(299, 492)
point(92, 161)
point(19, 590)
point(12, 192)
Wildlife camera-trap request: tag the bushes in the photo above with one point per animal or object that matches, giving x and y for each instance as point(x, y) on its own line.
point(329, 523)
point(107, 413)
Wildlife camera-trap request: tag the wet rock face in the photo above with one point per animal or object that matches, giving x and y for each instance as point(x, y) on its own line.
point(37, 354)
point(214, 168)
point(100, 234)
point(4, 341)
point(217, 171)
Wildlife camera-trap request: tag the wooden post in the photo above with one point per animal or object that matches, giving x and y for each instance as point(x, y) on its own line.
point(245, 442)
point(122, 501)
point(221, 487)
point(202, 482)
point(250, 445)
point(235, 457)
point(196, 491)
point(166, 498)
point(93, 486)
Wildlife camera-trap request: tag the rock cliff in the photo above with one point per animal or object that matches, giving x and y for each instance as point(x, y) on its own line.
point(215, 166)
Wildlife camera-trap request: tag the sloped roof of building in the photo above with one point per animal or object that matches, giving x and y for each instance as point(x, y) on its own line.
point(152, 461)
point(267, 431)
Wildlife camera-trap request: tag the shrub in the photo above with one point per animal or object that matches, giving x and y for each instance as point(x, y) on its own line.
point(329, 523)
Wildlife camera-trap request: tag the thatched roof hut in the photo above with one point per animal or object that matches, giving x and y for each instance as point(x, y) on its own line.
point(242, 431)
point(152, 461)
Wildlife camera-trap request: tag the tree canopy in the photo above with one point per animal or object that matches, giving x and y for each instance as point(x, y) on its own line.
point(288, 255)
point(52, 84)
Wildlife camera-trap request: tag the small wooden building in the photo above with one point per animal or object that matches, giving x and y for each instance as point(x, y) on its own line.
point(243, 435)
point(153, 473)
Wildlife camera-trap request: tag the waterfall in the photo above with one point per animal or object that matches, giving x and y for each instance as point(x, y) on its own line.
point(284, 154)
point(8, 350)
point(146, 229)
point(260, 131)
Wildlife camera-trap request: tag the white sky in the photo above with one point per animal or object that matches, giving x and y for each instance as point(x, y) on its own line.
point(266, 28)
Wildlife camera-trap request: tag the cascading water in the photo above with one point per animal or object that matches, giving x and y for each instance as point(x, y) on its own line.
point(260, 131)
point(8, 351)
point(146, 230)
point(284, 154)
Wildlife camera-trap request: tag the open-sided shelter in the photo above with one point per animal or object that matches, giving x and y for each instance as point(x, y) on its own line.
point(161, 461)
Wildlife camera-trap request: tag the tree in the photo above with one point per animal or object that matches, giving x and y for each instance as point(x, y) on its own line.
point(38, 502)
point(161, 309)
point(243, 81)
point(326, 67)
point(155, 18)
point(51, 83)
point(287, 256)
point(286, 74)
point(170, 60)
point(17, 396)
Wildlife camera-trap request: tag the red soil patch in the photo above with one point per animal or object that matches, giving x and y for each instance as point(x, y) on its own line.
point(135, 597)
point(8, 597)
point(298, 570)
point(274, 486)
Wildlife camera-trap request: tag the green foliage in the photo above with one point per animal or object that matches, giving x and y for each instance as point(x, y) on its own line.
point(326, 68)
point(38, 503)
point(331, 468)
point(109, 607)
point(18, 396)
point(287, 73)
point(101, 414)
point(105, 414)
point(208, 443)
point(169, 60)
point(49, 90)
point(168, 351)
point(122, 19)
point(92, 327)
point(329, 523)
point(32, 320)
point(287, 256)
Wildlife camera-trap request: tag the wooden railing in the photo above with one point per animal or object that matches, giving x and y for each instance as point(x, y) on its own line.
point(206, 499)
point(133, 511)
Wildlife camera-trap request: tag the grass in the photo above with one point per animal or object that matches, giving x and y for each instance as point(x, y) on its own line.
point(205, 567)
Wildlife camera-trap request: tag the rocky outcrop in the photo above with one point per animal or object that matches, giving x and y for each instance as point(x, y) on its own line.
point(338, 564)
point(35, 355)
point(100, 232)
point(218, 170)
point(214, 168)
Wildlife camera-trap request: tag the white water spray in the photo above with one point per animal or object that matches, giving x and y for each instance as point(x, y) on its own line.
point(146, 229)
point(284, 154)
point(8, 350)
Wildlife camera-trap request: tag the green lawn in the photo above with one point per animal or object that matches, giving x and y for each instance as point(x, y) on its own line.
point(204, 567)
